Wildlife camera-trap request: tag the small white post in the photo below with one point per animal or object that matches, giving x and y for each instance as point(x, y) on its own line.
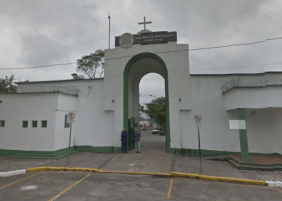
point(198, 118)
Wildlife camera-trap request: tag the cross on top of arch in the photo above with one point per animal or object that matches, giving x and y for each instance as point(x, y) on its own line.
point(145, 30)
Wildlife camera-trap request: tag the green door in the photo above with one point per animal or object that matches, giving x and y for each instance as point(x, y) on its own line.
point(131, 139)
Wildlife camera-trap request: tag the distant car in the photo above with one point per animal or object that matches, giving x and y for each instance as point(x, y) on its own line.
point(155, 130)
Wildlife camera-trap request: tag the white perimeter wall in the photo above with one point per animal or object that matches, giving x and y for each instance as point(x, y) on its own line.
point(278, 131)
point(18, 107)
point(93, 125)
point(263, 128)
point(66, 104)
point(99, 120)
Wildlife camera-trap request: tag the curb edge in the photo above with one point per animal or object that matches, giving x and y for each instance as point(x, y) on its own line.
point(12, 173)
point(172, 174)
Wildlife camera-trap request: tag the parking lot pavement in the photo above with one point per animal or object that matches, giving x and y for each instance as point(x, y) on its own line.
point(5, 181)
point(120, 187)
point(184, 189)
point(45, 186)
point(65, 186)
point(191, 164)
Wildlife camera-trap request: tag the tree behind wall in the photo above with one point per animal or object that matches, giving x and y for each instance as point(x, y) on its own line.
point(88, 65)
point(7, 86)
point(156, 111)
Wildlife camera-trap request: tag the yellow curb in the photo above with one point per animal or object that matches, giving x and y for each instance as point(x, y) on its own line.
point(161, 174)
point(62, 169)
point(139, 173)
point(180, 174)
point(125, 172)
point(36, 169)
point(220, 179)
point(172, 174)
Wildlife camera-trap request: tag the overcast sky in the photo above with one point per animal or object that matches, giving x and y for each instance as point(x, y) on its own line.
point(61, 31)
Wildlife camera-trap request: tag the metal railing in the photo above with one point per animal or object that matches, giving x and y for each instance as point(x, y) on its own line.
point(251, 82)
point(162, 131)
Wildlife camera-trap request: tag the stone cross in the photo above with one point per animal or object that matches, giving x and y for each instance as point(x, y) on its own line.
point(145, 24)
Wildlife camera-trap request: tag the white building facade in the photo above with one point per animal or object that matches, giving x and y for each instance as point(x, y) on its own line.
point(104, 106)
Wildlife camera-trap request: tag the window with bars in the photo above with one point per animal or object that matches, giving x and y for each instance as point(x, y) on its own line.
point(34, 124)
point(44, 124)
point(2, 123)
point(25, 124)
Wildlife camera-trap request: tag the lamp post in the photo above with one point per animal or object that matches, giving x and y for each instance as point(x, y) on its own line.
point(152, 95)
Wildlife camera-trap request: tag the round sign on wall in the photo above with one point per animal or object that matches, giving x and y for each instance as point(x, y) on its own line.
point(198, 118)
point(71, 116)
point(126, 40)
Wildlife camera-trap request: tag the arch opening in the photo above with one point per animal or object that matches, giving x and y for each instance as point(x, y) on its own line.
point(137, 67)
point(152, 90)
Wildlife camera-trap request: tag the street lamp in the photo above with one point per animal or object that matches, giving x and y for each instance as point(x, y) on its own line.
point(152, 95)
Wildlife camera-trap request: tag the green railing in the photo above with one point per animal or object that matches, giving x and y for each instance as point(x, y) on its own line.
point(162, 131)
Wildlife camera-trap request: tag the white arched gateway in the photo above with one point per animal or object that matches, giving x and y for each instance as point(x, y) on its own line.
point(32, 121)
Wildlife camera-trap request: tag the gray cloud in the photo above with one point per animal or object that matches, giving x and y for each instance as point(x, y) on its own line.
point(40, 49)
point(153, 84)
point(51, 31)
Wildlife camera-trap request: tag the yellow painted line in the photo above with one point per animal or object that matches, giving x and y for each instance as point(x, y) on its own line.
point(19, 180)
point(279, 190)
point(169, 190)
point(56, 196)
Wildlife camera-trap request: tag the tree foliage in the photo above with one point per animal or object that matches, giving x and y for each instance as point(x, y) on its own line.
point(156, 111)
point(7, 86)
point(89, 65)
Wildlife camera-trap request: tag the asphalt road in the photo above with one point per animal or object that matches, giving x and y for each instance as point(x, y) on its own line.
point(65, 186)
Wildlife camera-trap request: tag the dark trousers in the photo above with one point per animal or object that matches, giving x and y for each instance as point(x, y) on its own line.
point(123, 146)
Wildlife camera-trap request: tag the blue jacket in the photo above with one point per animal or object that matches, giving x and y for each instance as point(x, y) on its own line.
point(123, 136)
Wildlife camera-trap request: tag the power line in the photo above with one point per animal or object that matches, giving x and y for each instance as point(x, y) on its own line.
point(152, 52)
point(274, 38)
point(37, 66)
point(239, 67)
point(253, 43)
point(204, 48)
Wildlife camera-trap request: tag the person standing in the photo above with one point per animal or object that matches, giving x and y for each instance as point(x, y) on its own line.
point(124, 141)
point(137, 141)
